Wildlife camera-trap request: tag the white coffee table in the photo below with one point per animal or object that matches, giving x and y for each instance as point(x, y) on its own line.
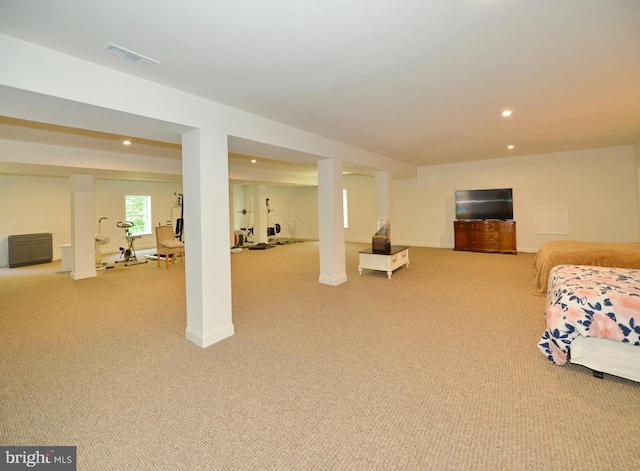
point(398, 256)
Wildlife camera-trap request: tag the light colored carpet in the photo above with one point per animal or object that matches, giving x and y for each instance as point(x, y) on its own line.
point(435, 369)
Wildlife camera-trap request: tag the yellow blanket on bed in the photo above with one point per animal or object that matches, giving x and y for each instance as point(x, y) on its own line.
point(571, 252)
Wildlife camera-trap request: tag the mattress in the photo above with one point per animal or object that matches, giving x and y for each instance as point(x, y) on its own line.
point(571, 252)
point(607, 356)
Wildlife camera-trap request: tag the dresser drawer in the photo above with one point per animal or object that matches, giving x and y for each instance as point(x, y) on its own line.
point(484, 226)
point(485, 235)
point(488, 244)
point(399, 259)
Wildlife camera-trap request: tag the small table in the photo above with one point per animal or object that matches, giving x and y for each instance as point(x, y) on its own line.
point(388, 262)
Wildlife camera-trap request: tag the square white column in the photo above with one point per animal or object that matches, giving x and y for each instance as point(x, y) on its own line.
point(82, 227)
point(208, 261)
point(331, 223)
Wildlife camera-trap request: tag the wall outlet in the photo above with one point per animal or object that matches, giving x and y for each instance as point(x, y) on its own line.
point(12, 221)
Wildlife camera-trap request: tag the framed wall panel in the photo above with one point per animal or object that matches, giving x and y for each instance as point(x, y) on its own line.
point(552, 220)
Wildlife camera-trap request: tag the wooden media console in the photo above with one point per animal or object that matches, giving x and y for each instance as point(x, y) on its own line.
point(485, 236)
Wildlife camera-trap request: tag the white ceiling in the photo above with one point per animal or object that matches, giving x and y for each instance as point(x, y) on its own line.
point(423, 81)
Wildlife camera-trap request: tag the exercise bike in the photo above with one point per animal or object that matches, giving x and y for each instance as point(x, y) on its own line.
point(129, 254)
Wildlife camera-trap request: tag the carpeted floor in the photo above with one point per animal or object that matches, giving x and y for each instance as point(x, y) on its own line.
point(434, 369)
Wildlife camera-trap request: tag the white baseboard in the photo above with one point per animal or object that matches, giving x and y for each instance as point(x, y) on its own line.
point(82, 275)
point(332, 281)
point(204, 340)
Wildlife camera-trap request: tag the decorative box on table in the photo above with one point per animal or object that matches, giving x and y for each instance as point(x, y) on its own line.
point(381, 240)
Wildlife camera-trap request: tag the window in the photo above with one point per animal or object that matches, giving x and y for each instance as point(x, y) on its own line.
point(344, 209)
point(138, 211)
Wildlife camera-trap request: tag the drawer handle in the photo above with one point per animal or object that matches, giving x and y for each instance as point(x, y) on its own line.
point(394, 260)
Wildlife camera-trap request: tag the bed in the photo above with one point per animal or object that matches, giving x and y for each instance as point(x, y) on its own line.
point(571, 252)
point(593, 319)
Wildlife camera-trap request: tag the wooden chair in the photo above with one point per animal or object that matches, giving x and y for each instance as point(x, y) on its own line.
point(168, 246)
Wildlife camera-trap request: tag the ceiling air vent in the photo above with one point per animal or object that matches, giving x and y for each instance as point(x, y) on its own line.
point(130, 55)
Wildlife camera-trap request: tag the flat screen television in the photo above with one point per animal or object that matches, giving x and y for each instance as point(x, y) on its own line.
point(484, 204)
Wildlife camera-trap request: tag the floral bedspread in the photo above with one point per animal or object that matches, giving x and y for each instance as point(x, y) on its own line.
point(591, 302)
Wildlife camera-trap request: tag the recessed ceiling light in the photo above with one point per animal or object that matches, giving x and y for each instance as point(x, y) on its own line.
point(126, 143)
point(510, 147)
point(506, 113)
point(253, 161)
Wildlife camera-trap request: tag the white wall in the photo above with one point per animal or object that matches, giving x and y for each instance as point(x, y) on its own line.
point(295, 208)
point(32, 205)
point(597, 185)
point(361, 203)
point(42, 204)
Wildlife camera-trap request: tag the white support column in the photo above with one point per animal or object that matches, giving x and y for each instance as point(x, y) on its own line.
point(331, 223)
point(82, 227)
point(250, 205)
point(239, 220)
point(260, 215)
point(231, 217)
point(384, 186)
point(207, 263)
